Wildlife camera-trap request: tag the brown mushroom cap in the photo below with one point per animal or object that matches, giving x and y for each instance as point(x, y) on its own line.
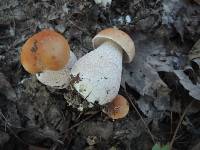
point(120, 38)
point(118, 108)
point(46, 50)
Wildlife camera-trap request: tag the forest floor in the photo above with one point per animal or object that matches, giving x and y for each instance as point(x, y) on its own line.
point(162, 83)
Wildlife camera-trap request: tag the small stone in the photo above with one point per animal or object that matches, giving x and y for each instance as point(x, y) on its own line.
point(92, 140)
point(65, 8)
point(121, 20)
point(103, 2)
point(128, 19)
point(2, 57)
point(12, 31)
point(60, 28)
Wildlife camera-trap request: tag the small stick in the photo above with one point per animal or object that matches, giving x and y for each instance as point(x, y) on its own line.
point(179, 124)
point(82, 121)
point(171, 124)
point(152, 137)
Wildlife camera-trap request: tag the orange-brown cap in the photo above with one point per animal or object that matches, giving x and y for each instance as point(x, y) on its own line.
point(46, 50)
point(118, 108)
point(120, 38)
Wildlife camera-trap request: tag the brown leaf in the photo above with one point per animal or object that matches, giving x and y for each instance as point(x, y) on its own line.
point(195, 51)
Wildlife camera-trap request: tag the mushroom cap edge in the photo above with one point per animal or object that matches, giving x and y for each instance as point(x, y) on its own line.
point(120, 38)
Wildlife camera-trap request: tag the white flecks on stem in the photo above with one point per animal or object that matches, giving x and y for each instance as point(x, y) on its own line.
point(100, 73)
point(58, 79)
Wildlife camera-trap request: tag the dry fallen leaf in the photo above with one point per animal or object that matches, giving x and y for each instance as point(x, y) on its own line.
point(142, 74)
point(180, 15)
point(195, 51)
point(194, 90)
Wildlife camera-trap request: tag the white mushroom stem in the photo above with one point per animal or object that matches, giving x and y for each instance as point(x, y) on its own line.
point(58, 79)
point(98, 73)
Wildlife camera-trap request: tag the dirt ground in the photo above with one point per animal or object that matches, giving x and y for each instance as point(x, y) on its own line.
point(162, 83)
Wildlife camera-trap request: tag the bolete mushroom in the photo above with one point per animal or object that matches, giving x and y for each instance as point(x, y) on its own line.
point(118, 108)
point(98, 73)
point(47, 54)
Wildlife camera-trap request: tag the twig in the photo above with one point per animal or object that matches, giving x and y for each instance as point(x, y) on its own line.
point(13, 18)
point(171, 123)
point(146, 126)
point(179, 124)
point(78, 27)
point(82, 121)
point(75, 125)
point(7, 124)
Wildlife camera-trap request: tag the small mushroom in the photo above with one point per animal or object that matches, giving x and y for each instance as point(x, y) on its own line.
point(118, 108)
point(47, 54)
point(99, 72)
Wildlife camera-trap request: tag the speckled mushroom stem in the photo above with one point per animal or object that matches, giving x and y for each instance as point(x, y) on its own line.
point(58, 79)
point(99, 73)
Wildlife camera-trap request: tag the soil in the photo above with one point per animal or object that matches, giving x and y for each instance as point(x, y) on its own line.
point(36, 117)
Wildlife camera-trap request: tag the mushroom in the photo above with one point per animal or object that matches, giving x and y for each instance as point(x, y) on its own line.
point(118, 108)
point(98, 73)
point(47, 54)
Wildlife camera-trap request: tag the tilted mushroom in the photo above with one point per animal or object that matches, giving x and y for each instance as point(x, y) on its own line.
point(98, 73)
point(118, 108)
point(47, 54)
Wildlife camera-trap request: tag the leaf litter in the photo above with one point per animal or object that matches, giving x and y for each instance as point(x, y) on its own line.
point(164, 74)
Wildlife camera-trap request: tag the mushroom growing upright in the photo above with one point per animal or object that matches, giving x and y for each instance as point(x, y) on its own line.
point(98, 73)
point(118, 108)
point(47, 54)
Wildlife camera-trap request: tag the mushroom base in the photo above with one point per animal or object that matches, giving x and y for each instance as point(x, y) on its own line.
point(75, 100)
